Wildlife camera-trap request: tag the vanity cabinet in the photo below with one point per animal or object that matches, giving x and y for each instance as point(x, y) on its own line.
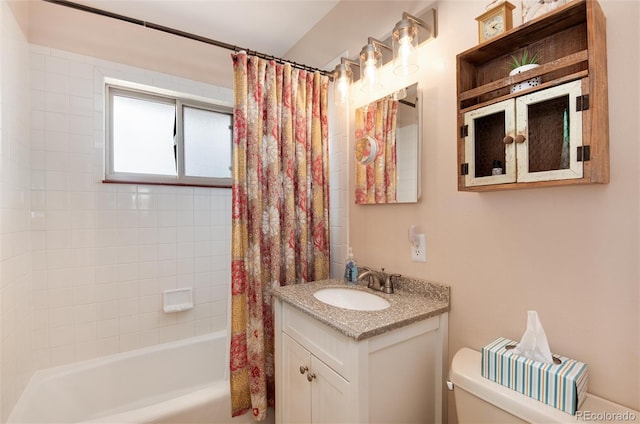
point(324, 376)
point(554, 133)
point(316, 393)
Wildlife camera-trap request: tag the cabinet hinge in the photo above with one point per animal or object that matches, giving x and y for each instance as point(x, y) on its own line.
point(464, 131)
point(464, 168)
point(582, 103)
point(584, 153)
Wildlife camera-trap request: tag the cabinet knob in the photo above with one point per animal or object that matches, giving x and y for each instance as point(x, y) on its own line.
point(520, 139)
point(310, 377)
point(507, 139)
point(303, 369)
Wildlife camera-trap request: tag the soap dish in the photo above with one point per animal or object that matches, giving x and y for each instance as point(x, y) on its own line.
point(178, 300)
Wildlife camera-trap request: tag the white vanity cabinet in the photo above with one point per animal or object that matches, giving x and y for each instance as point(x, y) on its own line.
point(315, 392)
point(324, 376)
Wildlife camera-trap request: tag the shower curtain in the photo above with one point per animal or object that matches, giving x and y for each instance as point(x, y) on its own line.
point(377, 182)
point(280, 210)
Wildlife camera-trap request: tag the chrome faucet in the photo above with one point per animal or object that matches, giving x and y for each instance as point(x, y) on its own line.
point(374, 280)
point(378, 280)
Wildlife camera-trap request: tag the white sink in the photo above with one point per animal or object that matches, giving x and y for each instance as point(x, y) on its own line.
point(351, 299)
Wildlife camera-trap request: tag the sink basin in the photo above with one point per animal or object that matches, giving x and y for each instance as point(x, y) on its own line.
point(346, 298)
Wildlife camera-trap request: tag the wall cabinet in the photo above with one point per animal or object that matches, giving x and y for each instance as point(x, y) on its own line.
point(555, 133)
point(323, 376)
point(540, 134)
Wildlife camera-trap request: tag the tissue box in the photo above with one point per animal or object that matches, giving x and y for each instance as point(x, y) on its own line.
point(562, 386)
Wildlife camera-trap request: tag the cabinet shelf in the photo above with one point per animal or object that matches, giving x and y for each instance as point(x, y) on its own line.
point(566, 17)
point(571, 46)
point(474, 94)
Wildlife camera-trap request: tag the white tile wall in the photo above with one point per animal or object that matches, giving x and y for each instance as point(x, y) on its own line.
point(16, 305)
point(408, 165)
point(103, 253)
point(339, 187)
point(84, 263)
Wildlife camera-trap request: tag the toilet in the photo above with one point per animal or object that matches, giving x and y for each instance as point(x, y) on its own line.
point(479, 400)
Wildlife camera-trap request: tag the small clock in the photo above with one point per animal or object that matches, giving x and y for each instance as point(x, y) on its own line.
point(495, 21)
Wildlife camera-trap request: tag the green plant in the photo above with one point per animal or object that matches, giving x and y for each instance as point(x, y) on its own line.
point(525, 59)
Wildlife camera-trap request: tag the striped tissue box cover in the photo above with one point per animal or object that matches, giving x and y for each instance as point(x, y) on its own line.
point(563, 386)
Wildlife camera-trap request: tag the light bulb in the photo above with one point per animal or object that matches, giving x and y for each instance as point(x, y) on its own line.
point(369, 64)
point(370, 70)
point(405, 51)
point(342, 87)
point(341, 83)
point(404, 48)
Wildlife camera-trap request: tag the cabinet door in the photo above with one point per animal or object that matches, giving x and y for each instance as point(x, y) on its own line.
point(484, 144)
point(296, 390)
point(551, 130)
point(330, 396)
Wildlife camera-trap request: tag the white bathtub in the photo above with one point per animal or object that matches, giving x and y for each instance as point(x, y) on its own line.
point(178, 382)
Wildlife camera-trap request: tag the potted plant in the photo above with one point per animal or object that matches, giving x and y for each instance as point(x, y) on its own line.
point(522, 64)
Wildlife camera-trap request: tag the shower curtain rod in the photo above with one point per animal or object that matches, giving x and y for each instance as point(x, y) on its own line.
point(184, 34)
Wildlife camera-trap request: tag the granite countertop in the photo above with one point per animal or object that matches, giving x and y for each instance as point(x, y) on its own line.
point(414, 300)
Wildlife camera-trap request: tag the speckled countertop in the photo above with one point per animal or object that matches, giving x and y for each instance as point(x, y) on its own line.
point(414, 300)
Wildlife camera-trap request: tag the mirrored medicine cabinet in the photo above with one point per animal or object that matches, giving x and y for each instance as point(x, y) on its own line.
point(388, 148)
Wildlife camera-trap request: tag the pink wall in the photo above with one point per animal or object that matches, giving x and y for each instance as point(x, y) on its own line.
point(571, 253)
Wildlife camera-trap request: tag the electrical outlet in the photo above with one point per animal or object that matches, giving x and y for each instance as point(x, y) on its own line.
point(419, 252)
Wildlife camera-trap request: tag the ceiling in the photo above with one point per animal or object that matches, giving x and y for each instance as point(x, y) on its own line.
point(268, 26)
point(312, 32)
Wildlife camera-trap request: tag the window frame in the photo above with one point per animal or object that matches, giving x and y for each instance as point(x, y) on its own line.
point(179, 101)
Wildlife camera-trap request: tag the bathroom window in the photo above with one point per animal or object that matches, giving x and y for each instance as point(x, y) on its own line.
point(158, 137)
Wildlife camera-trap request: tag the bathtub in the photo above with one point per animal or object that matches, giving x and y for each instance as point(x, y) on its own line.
point(178, 382)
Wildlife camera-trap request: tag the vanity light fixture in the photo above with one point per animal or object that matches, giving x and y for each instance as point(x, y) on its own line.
point(342, 78)
point(405, 42)
point(407, 35)
point(370, 64)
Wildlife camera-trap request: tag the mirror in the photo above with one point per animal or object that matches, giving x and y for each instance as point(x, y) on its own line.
point(387, 148)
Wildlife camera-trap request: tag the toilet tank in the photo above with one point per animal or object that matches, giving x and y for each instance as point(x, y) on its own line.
point(479, 400)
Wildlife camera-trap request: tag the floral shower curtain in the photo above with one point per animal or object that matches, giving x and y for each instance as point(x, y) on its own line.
point(377, 182)
point(280, 210)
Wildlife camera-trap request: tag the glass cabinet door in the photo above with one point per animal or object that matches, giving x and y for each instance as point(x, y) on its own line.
point(549, 130)
point(489, 147)
point(534, 137)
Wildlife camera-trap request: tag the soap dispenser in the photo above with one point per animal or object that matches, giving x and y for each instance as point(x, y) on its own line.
point(351, 269)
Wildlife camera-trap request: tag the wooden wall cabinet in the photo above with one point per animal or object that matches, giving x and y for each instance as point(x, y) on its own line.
point(531, 131)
